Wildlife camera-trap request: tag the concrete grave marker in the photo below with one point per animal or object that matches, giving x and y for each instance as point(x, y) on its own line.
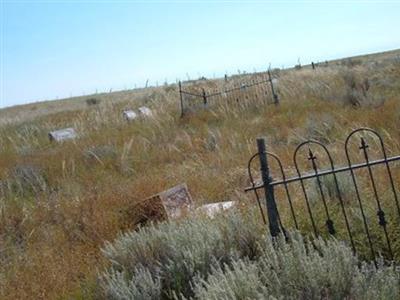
point(62, 134)
point(129, 115)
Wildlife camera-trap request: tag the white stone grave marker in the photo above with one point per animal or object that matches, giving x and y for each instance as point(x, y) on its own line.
point(62, 135)
point(145, 111)
point(129, 115)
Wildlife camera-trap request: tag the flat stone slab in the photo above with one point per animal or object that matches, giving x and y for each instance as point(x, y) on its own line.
point(63, 134)
point(213, 208)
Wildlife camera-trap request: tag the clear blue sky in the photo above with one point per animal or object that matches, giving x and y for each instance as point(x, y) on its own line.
point(56, 49)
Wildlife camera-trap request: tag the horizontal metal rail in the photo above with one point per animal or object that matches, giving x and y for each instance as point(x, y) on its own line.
point(325, 172)
point(191, 94)
point(244, 86)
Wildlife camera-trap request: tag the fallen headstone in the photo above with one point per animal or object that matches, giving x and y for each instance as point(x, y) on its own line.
point(129, 115)
point(213, 208)
point(62, 134)
point(145, 111)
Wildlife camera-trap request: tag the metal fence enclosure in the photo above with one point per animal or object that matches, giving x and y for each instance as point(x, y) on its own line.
point(202, 97)
point(370, 184)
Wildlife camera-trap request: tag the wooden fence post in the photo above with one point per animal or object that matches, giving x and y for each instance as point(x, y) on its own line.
point(204, 98)
point(272, 210)
point(181, 97)
point(275, 97)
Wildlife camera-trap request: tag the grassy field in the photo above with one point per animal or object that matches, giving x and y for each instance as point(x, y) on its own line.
point(60, 203)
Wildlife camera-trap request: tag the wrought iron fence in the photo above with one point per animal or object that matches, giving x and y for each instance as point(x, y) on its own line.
point(200, 98)
point(368, 192)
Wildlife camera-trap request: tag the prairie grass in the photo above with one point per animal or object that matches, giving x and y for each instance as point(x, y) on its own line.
point(82, 193)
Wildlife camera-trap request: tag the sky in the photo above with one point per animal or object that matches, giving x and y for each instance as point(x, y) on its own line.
point(57, 49)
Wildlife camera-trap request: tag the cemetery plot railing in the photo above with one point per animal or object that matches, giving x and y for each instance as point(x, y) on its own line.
point(191, 99)
point(385, 216)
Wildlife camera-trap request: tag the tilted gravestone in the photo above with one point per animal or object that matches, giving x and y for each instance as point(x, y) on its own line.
point(63, 134)
point(175, 201)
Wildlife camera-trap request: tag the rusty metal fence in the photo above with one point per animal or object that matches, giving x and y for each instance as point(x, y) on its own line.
point(200, 97)
point(359, 203)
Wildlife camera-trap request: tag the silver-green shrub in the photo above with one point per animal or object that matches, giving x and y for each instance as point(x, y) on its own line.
point(230, 257)
point(330, 190)
point(301, 270)
point(141, 285)
point(178, 252)
point(238, 281)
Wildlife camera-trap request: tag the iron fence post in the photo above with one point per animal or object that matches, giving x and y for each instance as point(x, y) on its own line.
point(181, 97)
point(272, 211)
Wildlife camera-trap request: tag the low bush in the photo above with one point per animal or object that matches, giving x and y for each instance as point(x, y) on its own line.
point(301, 270)
point(334, 189)
point(176, 254)
point(357, 91)
point(24, 180)
point(92, 101)
point(230, 258)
